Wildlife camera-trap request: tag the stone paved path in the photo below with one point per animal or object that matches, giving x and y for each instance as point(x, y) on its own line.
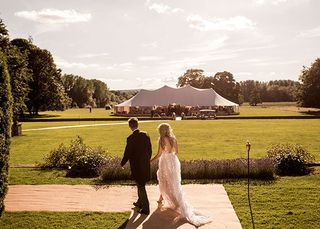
point(212, 200)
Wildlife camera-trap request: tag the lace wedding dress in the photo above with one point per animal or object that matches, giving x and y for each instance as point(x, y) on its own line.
point(169, 178)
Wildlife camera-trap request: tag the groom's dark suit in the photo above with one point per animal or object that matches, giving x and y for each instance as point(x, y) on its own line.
point(138, 151)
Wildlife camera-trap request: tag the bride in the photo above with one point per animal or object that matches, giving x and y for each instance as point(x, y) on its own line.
point(169, 178)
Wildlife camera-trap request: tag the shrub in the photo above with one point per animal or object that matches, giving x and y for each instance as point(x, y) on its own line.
point(80, 159)
point(111, 170)
point(199, 169)
point(5, 127)
point(290, 159)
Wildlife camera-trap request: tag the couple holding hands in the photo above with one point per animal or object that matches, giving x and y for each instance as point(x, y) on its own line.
point(138, 152)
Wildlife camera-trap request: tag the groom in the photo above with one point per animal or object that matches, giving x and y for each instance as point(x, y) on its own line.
point(138, 151)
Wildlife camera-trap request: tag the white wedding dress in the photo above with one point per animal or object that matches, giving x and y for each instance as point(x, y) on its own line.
point(169, 178)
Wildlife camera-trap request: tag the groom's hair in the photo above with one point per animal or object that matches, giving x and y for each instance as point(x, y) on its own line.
point(133, 122)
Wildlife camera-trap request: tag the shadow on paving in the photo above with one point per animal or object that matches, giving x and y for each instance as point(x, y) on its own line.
point(156, 220)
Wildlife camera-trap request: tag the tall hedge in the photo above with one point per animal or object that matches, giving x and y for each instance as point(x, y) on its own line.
point(5, 127)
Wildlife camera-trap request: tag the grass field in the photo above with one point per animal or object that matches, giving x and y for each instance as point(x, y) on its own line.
point(290, 202)
point(26, 220)
point(265, 109)
point(32, 176)
point(33, 125)
point(77, 113)
point(198, 139)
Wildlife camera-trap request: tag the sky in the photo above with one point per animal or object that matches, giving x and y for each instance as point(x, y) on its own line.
point(135, 44)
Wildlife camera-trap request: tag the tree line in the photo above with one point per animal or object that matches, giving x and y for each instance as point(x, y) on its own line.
point(91, 92)
point(306, 92)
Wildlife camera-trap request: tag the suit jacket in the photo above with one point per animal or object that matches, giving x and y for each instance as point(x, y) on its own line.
point(138, 151)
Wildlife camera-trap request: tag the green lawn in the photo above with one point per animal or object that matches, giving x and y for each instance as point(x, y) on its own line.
point(265, 109)
point(289, 202)
point(32, 220)
point(31, 176)
point(77, 113)
point(35, 125)
point(198, 139)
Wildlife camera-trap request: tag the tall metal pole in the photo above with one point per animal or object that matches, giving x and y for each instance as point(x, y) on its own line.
point(248, 146)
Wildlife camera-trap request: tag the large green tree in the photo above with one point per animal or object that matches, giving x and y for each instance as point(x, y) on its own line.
point(4, 36)
point(309, 89)
point(85, 92)
point(79, 90)
point(272, 91)
point(18, 71)
point(46, 89)
point(225, 85)
point(101, 93)
point(192, 77)
point(255, 97)
point(222, 82)
point(20, 76)
point(5, 127)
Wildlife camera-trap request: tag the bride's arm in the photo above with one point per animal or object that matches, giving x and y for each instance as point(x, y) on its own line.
point(157, 155)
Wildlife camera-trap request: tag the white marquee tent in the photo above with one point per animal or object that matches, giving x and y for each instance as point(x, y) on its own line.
point(186, 96)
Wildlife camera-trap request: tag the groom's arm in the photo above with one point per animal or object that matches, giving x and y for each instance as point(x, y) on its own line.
point(127, 153)
point(149, 147)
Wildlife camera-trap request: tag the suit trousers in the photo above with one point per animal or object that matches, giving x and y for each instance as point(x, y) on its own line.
point(142, 197)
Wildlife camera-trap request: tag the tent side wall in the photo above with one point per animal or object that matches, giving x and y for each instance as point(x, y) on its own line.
point(121, 109)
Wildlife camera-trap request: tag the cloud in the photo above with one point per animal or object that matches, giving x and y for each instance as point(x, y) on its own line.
point(205, 47)
point(274, 2)
point(98, 69)
point(315, 32)
point(115, 80)
point(126, 64)
point(149, 58)
point(199, 61)
point(92, 55)
point(65, 64)
point(169, 79)
point(279, 2)
point(243, 74)
point(54, 16)
point(268, 61)
point(222, 24)
point(161, 8)
point(150, 45)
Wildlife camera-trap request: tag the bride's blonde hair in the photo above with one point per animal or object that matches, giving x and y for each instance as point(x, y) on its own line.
point(165, 130)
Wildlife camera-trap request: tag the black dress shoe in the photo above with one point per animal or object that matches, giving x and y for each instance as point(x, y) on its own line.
point(141, 211)
point(136, 204)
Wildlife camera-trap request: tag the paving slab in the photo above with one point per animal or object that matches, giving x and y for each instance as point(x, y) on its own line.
point(211, 199)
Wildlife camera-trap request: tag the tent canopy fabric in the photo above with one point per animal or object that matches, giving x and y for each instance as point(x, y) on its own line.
point(187, 96)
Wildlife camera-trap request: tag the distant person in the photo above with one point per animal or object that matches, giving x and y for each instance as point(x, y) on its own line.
point(169, 177)
point(90, 109)
point(174, 116)
point(138, 152)
point(182, 115)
